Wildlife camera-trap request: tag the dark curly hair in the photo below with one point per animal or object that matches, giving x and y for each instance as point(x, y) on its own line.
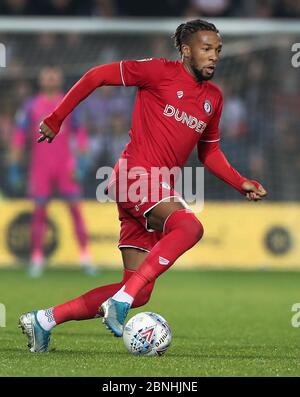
point(185, 30)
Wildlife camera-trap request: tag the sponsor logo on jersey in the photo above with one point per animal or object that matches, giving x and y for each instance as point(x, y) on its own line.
point(184, 118)
point(207, 106)
point(163, 261)
point(180, 94)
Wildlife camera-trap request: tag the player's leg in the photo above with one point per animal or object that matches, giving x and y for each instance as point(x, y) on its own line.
point(181, 231)
point(38, 324)
point(134, 244)
point(132, 259)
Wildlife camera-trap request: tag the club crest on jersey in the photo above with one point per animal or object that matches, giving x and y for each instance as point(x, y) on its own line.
point(180, 94)
point(207, 106)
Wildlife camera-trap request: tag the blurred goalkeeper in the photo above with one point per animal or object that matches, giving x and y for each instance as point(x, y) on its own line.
point(49, 170)
point(176, 108)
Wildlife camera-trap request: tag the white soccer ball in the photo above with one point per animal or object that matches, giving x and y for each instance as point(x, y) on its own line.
point(147, 334)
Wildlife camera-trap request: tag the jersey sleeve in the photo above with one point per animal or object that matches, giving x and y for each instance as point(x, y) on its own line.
point(212, 131)
point(142, 73)
point(98, 76)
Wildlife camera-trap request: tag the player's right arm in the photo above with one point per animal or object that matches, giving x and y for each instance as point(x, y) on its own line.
point(109, 74)
point(145, 73)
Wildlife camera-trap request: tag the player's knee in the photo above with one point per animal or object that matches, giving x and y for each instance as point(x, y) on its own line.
point(195, 227)
point(189, 224)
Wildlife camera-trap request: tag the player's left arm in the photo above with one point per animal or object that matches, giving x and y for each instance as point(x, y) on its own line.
point(145, 73)
point(213, 158)
point(108, 74)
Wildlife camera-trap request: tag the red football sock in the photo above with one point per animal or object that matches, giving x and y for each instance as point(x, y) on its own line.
point(182, 231)
point(86, 306)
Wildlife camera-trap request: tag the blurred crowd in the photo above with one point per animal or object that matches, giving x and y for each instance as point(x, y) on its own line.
point(260, 117)
point(166, 8)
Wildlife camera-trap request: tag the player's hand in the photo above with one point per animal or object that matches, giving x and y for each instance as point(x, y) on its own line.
point(46, 132)
point(254, 191)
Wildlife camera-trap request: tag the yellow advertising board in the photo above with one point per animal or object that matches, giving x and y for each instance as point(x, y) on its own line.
point(236, 235)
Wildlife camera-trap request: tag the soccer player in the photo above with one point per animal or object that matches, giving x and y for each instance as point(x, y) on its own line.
point(50, 169)
point(176, 108)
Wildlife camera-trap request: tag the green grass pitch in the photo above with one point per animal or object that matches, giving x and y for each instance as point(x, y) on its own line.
point(225, 323)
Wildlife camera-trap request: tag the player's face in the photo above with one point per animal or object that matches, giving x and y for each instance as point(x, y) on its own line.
point(50, 79)
point(203, 53)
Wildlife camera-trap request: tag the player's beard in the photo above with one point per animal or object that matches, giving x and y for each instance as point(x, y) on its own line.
point(199, 75)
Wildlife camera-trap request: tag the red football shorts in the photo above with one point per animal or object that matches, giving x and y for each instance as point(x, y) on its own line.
point(134, 205)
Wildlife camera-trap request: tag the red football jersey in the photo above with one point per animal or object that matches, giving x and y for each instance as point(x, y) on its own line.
point(172, 112)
